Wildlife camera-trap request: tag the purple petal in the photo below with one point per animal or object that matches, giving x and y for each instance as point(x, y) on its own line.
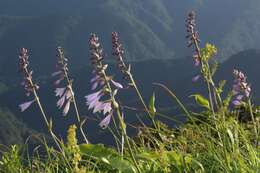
point(107, 108)
point(59, 91)
point(66, 108)
point(57, 82)
point(56, 73)
point(239, 97)
point(116, 84)
point(105, 122)
point(94, 85)
point(236, 102)
point(247, 93)
point(197, 62)
point(26, 105)
point(94, 79)
point(93, 96)
point(196, 78)
point(236, 89)
point(93, 104)
point(98, 107)
point(61, 101)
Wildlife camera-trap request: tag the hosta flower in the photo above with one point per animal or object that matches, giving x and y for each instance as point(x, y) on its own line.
point(103, 86)
point(27, 83)
point(105, 122)
point(196, 78)
point(65, 94)
point(65, 97)
point(241, 89)
point(26, 105)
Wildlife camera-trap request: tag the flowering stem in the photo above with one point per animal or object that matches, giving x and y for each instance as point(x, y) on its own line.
point(121, 121)
point(204, 75)
point(69, 82)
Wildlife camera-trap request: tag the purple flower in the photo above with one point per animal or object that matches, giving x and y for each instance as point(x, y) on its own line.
point(96, 81)
point(61, 101)
point(26, 105)
point(116, 84)
point(66, 108)
point(60, 91)
point(65, 96)
point(107, 107)
point(196, 78)
point(105, 122)
point(236, 102)
point(56, 73)
point(94, 96)
point(104, 85)
point(241, 89)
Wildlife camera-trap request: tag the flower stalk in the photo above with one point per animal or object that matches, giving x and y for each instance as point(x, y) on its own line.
point(69, 93)
point(109, 88)
point(118, 52)
point(202, 59)
point(31, 89)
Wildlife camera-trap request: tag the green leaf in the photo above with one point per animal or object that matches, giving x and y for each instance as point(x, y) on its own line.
point(99, 151)
point(122, 165)
point(201, 101)
point(150, 156)
point(152, 108)
point(107, 156)
point(230, 134)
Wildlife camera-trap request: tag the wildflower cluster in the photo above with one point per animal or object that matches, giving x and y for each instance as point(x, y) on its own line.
point(65, 94)
point(27, 82)
point(241, 89)
point(101, 84)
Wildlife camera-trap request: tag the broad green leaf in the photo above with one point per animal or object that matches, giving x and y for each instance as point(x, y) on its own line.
point(98, 151)
point(201, 101)
point(152, 108)
point(122, 165)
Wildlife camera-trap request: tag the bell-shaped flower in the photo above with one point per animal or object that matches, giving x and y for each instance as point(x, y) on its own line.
point(26, 105)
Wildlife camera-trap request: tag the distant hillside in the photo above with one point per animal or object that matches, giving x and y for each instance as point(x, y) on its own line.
point(150, 29)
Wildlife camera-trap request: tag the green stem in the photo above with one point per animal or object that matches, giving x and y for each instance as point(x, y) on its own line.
point(177, 100)
point(253, 120)
point(123, 128)
point(141, 99)
point(69, 82)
